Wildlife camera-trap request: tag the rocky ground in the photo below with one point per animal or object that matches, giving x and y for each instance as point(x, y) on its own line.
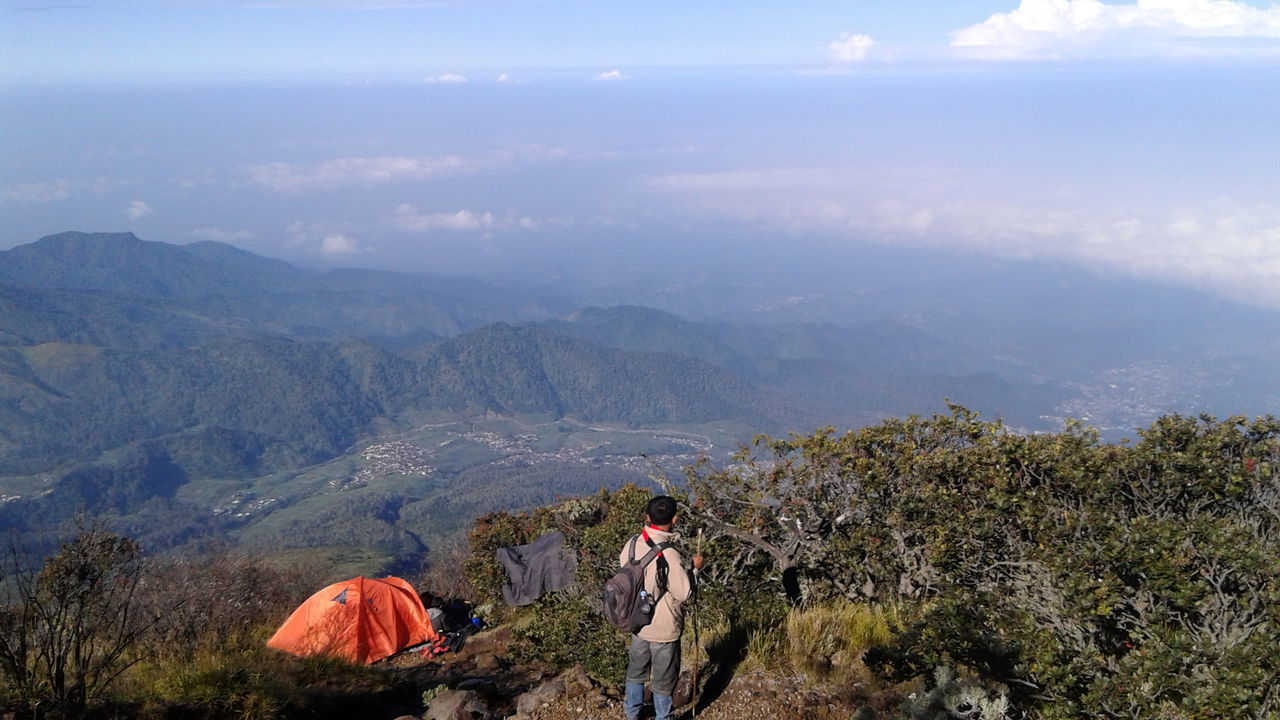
point(482, 683)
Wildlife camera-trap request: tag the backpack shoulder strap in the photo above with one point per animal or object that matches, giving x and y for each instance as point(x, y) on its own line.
point(654, 552)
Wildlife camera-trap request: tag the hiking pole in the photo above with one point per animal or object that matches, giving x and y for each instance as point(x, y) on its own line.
point(693, 690)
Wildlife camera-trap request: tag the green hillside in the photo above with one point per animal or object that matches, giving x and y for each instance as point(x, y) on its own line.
point(848, 376)
point(199, 391)
point(115, 289)
point(124, 264)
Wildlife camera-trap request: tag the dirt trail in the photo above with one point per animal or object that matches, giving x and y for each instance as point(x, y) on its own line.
point(484, 667)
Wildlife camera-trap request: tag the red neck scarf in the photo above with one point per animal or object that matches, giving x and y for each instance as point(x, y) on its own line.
point(645, 532)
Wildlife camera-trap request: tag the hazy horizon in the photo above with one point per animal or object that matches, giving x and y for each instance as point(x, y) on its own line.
point(607, 145)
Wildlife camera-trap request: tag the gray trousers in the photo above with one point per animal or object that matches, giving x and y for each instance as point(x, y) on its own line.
point(654, 662)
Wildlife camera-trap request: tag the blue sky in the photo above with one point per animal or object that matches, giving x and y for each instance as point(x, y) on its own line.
point(1137, 138)
point(149, 40)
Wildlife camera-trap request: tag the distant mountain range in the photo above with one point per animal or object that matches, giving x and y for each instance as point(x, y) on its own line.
point(133, 373)
point(118, 290)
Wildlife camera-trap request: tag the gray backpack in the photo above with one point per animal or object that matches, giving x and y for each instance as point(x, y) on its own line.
point(627, 605)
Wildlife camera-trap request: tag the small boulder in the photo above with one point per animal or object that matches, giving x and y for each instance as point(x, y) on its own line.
point(456, 705)
point(488, 663)
point(545, 694)
point(577, 677)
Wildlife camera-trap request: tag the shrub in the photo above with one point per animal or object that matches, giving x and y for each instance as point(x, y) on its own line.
point(1132, 580)
point(957, 697)
point(569, 632)
point(219, 602)
point(70, 628)
point(444, 575)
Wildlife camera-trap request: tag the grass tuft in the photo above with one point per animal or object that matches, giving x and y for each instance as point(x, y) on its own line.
point(827, 642)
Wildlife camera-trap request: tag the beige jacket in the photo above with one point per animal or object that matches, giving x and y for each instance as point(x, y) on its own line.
point(668, 617)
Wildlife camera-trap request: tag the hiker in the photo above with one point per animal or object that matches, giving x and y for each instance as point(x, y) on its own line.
point(654, 655)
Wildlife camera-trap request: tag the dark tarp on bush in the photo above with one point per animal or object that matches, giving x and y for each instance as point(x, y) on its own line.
point(540, 567)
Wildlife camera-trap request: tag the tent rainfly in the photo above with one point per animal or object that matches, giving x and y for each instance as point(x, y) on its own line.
point(361, 619)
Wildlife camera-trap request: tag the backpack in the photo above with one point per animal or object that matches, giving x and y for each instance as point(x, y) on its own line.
point(627, 605)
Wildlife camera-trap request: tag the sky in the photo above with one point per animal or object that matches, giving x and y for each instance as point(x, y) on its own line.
point(539, 136)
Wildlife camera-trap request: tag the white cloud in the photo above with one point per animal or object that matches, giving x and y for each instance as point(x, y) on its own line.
point(1223, 246)
point(337, 245)
point(329, 239)
point(851, 47)
point(37, 192)
point(343, 172)
point(611, 76)
point(447, 78)
point(1064, 27)
point(46, 191)
point(137, 209)
point(220, 235)
point(504, 78)
point(407, 218)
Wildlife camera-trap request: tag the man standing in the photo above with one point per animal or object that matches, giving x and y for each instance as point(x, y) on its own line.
point(654, 656)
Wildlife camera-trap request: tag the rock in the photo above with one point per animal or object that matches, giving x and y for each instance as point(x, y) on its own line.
point(577, 677)
point(599, 699)
point(456, 705)
point(488, 663)
point(406, 717)
point(482, 685)
point(545, 694)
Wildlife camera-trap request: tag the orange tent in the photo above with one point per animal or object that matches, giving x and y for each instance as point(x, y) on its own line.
point(361, 619)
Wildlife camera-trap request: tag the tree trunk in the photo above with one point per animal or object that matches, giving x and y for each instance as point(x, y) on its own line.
point(791, 584)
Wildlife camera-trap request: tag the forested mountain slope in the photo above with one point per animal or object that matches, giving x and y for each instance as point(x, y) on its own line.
point(131, 370)
point(201, 388)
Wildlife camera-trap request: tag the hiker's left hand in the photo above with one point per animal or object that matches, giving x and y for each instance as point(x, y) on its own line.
point(697, 561)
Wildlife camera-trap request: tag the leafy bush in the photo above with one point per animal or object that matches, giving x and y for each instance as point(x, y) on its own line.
point(1131, 580)
point(570, 632)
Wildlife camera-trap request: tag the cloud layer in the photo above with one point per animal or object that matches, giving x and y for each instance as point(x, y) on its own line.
point(446, 78)
point(1063, 27)
point(292, 178)
point(35, 192)
point(407, 218)
point(220, 235)
point(1223, 246)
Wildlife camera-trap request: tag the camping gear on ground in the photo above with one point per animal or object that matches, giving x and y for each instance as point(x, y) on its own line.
point(627, 605)
point(451, 641)
point(454, 624)
point(540, 567)
point(361, 619)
